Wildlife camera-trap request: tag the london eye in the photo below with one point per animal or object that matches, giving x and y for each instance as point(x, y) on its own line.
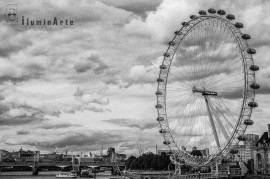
point(206, 87)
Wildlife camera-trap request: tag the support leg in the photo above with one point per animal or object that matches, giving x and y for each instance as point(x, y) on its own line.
point(212, 121)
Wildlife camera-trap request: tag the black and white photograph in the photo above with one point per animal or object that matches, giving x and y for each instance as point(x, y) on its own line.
point(135, 89)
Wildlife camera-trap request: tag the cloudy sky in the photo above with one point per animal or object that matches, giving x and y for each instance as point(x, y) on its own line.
point(92, 84)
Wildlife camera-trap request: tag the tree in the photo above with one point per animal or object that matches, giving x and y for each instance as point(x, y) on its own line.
point(148, 158)
point(154, 163)
point(129, 161)
point(133, 164)
point(196, 153)
point(163, 161)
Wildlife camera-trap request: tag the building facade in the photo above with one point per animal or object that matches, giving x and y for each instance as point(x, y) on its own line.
point(246, 150)
point(262, 154)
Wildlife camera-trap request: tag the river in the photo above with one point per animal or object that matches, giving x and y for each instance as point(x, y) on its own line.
point(44, 175)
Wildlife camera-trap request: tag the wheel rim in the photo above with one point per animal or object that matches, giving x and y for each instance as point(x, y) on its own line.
point(206, 55)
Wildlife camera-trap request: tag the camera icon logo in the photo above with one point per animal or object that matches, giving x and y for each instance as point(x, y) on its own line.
point(11, 15)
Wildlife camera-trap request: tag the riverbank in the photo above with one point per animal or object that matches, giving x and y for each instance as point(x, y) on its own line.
point(43, 175)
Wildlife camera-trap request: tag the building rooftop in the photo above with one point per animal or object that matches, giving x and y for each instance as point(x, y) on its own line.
point(264, 139)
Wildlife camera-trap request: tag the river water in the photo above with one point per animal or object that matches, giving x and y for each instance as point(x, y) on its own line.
point(44, 175)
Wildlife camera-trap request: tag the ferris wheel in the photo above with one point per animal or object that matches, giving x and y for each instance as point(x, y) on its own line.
point(206, 87)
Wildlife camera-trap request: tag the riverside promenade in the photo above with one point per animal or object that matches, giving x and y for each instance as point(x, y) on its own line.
point(134, 174)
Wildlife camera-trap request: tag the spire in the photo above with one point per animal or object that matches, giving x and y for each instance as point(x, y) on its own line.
point(101, 152)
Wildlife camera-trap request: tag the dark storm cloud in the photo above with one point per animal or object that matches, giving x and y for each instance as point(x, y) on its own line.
point(41, 111)
point(93, 62)
point(2, 97)
point(139, 7)
point(30, 72)
point(12, 44)
point(23, 133)
point(264, 89)
point(130, 145)
point(78, 139)
point(142, 125)
point(237, 94)
point(20, 120)
point(57, 126)
point(4, 108)
point(258, 44)
point(82, 67)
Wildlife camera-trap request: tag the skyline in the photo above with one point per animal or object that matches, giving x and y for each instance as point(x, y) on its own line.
point(94, 83)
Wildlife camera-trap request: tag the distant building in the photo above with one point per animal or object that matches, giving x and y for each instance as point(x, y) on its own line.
point(25, 154)
point(204, 152)
point(262, 154)
point(2, 154)
point(121, 157)
point(86, 159)
point(168, 152)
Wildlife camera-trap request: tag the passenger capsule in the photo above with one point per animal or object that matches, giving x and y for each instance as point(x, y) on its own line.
point(160, 119)
point(160, 80)
point(212, 11)
point(246, 36)
point(255, 86)
point(253, 104)
point(254, 67)
point(162, 67)
point(230, 17)
point(176, 32)
point(184, 23)
point(202, 12)
point(193, 17)
point(233, 151)
point(238, 25)
point(166, 55)
point(162, 131)
point(248, 122)
point(171, 43)
point(251, 51)
point(159, 93)
point(221, 12)
point(241, 137)
point(166, 142)
point(158, 106)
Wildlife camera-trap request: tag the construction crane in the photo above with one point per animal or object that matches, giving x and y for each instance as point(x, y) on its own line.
point(139, 147)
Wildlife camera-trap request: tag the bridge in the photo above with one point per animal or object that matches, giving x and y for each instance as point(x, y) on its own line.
point(62, 163)
point(115, 166)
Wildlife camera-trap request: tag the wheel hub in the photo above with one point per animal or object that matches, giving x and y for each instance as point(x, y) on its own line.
point(203, 91)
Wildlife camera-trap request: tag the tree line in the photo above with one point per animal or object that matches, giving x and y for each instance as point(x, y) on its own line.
point(149, 161)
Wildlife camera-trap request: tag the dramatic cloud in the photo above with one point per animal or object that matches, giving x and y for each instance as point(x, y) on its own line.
point(57, 126)
point(20, 120)
point(140, 124)
point(100, 74)
point(92, 62)
point(78, 139)
point(139, 7)
point(23, 133)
